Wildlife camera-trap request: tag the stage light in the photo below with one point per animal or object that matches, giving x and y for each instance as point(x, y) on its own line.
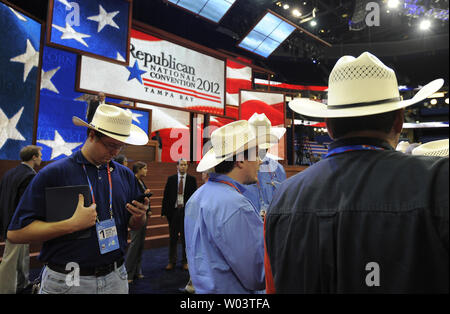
point(296, 13)
point(286, 6)
point(425, 25)
point(392, 4)
point(446, 101)
point(313, 23)
point(433, 101)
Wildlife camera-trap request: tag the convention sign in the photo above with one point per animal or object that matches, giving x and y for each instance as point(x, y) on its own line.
point(159, 72)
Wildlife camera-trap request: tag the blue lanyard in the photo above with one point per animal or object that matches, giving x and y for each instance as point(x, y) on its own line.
point(92, 190)
point(351, 148)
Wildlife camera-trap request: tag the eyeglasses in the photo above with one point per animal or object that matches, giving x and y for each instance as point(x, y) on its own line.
point(111, 146)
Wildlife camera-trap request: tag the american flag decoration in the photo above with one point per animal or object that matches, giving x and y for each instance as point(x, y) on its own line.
point(239, 77)
point(93, 27)
point(19, 62)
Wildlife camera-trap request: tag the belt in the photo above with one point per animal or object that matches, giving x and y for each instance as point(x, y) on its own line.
point(97, 271)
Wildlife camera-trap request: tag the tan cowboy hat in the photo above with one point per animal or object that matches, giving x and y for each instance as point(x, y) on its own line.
point(261, 123)
point(234, 138)
point(434, 148)
point(360, 87)
point(116, 123)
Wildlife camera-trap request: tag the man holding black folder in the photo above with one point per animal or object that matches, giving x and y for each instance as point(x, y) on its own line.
point(92, 263)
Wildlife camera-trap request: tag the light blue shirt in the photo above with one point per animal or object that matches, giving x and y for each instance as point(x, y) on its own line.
point(224, 239)
point(270, 176)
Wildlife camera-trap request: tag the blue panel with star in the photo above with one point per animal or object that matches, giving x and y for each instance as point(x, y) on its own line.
point(99, 27)
point(19, 60)
point(59, 101)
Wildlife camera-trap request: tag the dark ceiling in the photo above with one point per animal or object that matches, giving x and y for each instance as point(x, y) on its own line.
point(417, 57)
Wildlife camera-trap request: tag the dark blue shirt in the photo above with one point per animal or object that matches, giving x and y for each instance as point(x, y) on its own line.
point(69, 171)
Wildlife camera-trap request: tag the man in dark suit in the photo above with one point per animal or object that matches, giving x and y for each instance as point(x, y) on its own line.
point(177, 192)
point(14, 267)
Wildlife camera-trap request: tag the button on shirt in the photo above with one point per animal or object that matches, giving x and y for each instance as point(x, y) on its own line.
point(224, 239)
point(69, 171)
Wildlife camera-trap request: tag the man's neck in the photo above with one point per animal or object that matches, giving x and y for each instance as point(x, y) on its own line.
point(29, 163)
point(85, 153)
point(388, 137)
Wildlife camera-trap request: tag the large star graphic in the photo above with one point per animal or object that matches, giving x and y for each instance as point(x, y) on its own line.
point(135, 72)
point(29, 59)
point(59, 146)
point(104, 18)
point(135, 116)
point(70, 33)
point(46, 80)
point(8, 127)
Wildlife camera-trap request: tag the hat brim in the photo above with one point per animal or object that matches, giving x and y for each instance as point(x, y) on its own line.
point(137, 135)
point(210, 160)
point(435, 148)
point(312, 108)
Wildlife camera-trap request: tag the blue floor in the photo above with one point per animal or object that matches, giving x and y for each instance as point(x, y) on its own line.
point(157, 280)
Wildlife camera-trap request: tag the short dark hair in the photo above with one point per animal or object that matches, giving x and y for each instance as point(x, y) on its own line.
point(138, 165)
point(382, 122)
point(228, 165)
point(120, 159)
point(181, 159)
point(27, 153)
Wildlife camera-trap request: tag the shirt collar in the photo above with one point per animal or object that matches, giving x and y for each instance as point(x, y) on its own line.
point(223, 177)
point(29, 166)
point(361, 141)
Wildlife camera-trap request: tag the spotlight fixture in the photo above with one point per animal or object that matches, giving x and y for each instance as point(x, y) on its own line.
point(296, 13)
point(425, 25)
point(446, 101)
point(433, 102)
point(286, 6)
point(313, 23)
point(392, 4)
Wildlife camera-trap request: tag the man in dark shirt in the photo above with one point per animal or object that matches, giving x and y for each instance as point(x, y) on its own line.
point(367, 218)
point(95, 263)
point(15, 265)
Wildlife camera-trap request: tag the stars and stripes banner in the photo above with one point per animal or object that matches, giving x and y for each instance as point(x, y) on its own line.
point(269, 103)
point(94, 27)
point(59, 101)
point(239, 77)
point(173, 127)
point(19, 61)
point(160, 72)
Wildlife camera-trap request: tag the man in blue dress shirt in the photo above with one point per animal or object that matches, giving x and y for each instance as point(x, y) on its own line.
point(223, 230)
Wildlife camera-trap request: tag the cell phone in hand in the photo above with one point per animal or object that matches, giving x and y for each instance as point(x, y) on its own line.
point(141, 197)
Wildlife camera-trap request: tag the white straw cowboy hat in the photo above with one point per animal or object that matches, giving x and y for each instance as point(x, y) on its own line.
point(360, 87)
point(234, 138)
point(434, 148)
point(261, 123)
point(116, 123)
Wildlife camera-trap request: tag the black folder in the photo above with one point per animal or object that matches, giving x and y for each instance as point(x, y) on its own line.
point(61, 203)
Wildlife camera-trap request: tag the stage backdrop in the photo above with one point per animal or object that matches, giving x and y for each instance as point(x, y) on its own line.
point(19, 61)
point(160, 72)
point(94, 27)
point(269, 103)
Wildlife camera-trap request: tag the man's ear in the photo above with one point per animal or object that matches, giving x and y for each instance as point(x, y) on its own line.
point(330, 133)
point(398, 122)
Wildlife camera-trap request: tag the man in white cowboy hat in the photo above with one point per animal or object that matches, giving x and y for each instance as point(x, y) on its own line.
point(367, 218)
point(434, 148)
point(223, 230)
point(94, 262)
point(271, 173)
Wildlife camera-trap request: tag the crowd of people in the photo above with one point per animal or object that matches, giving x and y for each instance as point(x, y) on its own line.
point(366, 219)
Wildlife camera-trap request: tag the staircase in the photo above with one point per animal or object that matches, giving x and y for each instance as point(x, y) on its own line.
point(157, 234)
